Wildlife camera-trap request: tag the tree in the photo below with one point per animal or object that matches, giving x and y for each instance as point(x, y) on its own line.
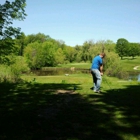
point(86, 51)
point(134, 49)
point(49, 49)
point(69, 53)
point(59, 56)
point(22, 40)
point(78, 53)
point(32, 54)
point(109, 46)
point(122, 47)
point(9, 11)
point(20, 43)
point(39, 37)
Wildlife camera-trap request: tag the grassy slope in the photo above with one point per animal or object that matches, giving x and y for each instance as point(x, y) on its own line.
point(129, 63)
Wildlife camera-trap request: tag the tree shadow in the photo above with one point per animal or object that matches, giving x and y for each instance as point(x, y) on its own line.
point(123, 105)
point(56, 112)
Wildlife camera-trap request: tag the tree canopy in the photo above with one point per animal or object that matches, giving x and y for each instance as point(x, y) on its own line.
point(125, 48)
point(122, 47)
point(10, 11)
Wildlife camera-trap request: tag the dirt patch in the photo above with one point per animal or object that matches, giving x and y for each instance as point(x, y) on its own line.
point(60, 91)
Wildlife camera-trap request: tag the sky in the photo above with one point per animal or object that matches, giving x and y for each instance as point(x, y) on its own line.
point(77, 21)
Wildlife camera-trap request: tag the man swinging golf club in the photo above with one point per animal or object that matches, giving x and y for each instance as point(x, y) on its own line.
point(97, 71)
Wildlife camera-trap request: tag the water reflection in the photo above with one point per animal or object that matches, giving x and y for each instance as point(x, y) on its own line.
point(139, 78)
point(59, 71)
point(134, 77)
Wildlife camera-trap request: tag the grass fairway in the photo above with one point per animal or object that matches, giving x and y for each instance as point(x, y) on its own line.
point(129, 63)
point(65, 108)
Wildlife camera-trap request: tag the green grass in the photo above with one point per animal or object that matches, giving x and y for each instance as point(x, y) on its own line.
point(129, 63)
point(65, 108)
point(77, 65)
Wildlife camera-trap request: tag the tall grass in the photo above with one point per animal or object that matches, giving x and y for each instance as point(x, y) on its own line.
point(5, 73)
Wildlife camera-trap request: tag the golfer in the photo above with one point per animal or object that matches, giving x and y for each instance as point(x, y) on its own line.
point(97, 71)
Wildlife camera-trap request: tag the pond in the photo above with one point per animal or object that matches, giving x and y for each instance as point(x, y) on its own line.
point(59, 71)
point(139, 78)
point(134, 77)
point(72, 70)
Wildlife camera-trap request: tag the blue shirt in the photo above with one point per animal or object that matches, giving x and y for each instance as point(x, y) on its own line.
point(96, 62)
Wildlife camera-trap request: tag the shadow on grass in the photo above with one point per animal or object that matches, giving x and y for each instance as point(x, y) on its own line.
point(56, 112)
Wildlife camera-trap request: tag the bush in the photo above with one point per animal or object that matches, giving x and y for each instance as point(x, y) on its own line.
point(12, 73)
point(5, 74)
point(113, 66)
point(19, 67)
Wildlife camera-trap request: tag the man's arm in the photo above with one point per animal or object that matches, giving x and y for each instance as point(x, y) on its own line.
point(101, 69)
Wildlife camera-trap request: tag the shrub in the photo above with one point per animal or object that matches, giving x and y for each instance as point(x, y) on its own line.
point(113, 66)
point(19, 67)
point(5, 73)
point(12, 72)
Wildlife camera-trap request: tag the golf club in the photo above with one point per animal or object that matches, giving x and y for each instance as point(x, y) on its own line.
point(117, 90)
point(107, 83)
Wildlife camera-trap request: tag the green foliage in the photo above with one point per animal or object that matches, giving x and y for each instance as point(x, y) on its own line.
point(12, 73)
point(43, 54)
point(40, 50)
point(39, 37)
point(18, 67)
point(10, 59)
point(69, 54)
point(7, 47)
point(49, 50)
point(134, 49)
point(122, 47)
point(10, 11)
point(20, 43)
point(94, 50)
point(78, 53)
point(59, 56)
point(5, 73)
point(33, 55)
point(86, 51)
point(91, 49)
point(109, 46)
point(113, 67)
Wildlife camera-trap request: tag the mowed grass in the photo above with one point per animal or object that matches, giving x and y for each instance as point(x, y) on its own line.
point(65, 108)
point(128, 63)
